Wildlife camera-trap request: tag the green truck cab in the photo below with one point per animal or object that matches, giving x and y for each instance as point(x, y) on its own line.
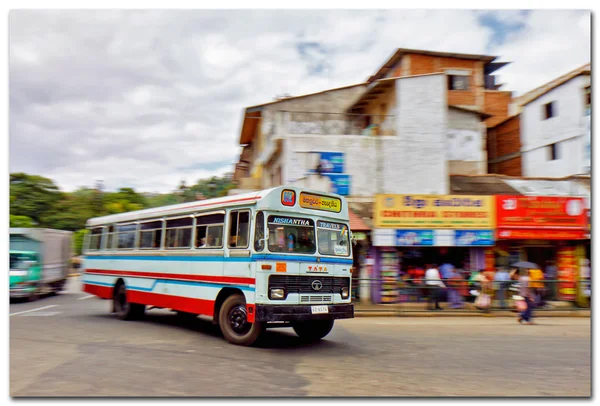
point(25, 274)
point(39, 261)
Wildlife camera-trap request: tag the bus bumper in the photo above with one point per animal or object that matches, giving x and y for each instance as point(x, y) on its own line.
point(266, 313)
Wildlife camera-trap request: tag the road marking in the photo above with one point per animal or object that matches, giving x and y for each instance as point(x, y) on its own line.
point(41, 314)
point(33, 310)
point(86, 297)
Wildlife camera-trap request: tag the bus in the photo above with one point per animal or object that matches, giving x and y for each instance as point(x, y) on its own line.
point(280, 257)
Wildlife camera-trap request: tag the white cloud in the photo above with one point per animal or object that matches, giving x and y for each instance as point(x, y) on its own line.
point(147, 98)
point(552, 43)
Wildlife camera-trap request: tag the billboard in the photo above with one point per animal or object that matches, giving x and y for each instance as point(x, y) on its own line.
point(434, 212)
point(540, 217)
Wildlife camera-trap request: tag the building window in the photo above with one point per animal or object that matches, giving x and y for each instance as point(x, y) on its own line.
point(549, 110)
point(553, 152)
point(458, 82)
point(588, 100)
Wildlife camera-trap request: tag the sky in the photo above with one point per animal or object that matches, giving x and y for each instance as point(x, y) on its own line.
point(146, 99)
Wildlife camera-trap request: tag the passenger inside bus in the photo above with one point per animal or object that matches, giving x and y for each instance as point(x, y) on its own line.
point(305, 242)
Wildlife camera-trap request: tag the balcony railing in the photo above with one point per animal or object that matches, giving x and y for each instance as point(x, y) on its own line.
point(315, 123)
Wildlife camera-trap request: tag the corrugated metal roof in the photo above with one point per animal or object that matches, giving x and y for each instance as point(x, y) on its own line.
point(480, 185)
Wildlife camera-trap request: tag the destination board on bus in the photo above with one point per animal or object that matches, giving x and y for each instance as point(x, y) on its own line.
point(318, 202)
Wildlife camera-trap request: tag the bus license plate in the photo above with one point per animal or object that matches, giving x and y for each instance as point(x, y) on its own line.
point(319, 309)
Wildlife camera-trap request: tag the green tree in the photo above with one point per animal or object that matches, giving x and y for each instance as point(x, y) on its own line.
point(21, 221)
point(78, 239)
point(32, 195)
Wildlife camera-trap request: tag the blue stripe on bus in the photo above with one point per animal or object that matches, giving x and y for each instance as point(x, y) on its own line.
point(257, 257)
point(173, 282)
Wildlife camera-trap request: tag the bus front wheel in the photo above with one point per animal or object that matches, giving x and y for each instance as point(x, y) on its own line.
point(234, 323)
point(124, 309)
point(313, 330)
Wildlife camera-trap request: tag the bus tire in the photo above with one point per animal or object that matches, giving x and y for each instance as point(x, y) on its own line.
point(312, 330)
point(233, 323)
point(124, 309)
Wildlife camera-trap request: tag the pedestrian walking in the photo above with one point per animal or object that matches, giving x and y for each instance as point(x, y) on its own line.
point(528, 296)
point(536, 280)
point(434, 285)
point(457, 289)
point(501, 279)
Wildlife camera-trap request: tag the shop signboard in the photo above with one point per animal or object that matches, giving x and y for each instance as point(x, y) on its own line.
point(567, 269)
point(540, 217)
point(455, 212)
point(473, 238)
point(416, 238)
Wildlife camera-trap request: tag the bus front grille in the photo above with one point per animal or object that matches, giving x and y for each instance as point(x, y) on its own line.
point(309, 284)
point(315, 299)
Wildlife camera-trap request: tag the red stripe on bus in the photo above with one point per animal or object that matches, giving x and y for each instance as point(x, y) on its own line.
point(104, 292)
point(184, 304)
point(184, 277)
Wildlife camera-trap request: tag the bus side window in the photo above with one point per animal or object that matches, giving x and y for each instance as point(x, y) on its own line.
point(239, 222)
point(109, 240)
point(259, 232)
point(209, 230)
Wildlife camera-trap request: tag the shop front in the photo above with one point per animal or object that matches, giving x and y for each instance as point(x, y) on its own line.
point(548, 231)
point(415, 231)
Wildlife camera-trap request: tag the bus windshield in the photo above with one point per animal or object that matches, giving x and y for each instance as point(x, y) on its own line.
point(291, 234)
point(333, 239)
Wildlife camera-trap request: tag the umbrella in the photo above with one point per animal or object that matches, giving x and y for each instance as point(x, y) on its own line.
point(525, 264)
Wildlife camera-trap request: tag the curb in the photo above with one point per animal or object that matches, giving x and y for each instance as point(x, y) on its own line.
point(375, 313)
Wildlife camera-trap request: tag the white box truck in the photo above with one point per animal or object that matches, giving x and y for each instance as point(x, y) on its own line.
point(39, 261)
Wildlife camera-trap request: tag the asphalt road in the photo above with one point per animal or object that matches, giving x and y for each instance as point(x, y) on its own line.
point(70, 345)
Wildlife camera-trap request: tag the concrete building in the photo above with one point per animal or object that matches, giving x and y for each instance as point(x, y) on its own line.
point(421, 117)
point(549, 132)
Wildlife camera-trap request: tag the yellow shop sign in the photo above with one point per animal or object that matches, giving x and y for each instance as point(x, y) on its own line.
point(434, 212)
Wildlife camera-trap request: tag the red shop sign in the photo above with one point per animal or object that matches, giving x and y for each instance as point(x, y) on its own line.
point(532, 234)
point(540, 213)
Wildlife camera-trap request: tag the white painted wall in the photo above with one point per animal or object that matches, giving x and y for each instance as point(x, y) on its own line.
point(414, 161)
point(567, 128)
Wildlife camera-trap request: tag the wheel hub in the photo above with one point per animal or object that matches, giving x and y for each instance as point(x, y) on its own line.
point(238, 320)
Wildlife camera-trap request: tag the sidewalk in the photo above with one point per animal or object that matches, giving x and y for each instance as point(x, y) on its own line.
point(559, 309)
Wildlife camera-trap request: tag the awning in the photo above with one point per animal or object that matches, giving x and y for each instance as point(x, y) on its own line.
point(356, 223)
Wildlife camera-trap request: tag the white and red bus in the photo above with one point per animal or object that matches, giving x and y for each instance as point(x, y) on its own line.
point(278, 257)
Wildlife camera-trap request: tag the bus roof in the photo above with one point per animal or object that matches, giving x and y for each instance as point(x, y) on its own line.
point(265, 199)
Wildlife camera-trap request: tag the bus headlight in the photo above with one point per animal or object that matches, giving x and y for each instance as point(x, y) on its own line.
point(345, 292)
point(277, 294)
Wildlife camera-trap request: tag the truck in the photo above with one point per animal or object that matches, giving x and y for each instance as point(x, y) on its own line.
point(39, 261)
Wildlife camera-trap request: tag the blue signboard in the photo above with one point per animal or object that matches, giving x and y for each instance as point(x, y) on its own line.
point(408, 238)
point(340, 183)
point(469, 238)
point(331, 162)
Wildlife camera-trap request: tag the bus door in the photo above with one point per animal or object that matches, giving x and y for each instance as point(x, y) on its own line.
point(238, 254)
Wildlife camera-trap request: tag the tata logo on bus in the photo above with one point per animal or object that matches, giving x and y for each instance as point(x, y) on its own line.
point(317, 202)
point(288, 198)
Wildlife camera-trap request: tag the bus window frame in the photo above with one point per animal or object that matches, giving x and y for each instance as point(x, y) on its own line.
point(135, 233)
point(210, 213)
point(294, 215)
point(108, 237)
point(139, 234)
point(88, 238)
point(248, 233)
point(192, 234)
point(264, 231)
